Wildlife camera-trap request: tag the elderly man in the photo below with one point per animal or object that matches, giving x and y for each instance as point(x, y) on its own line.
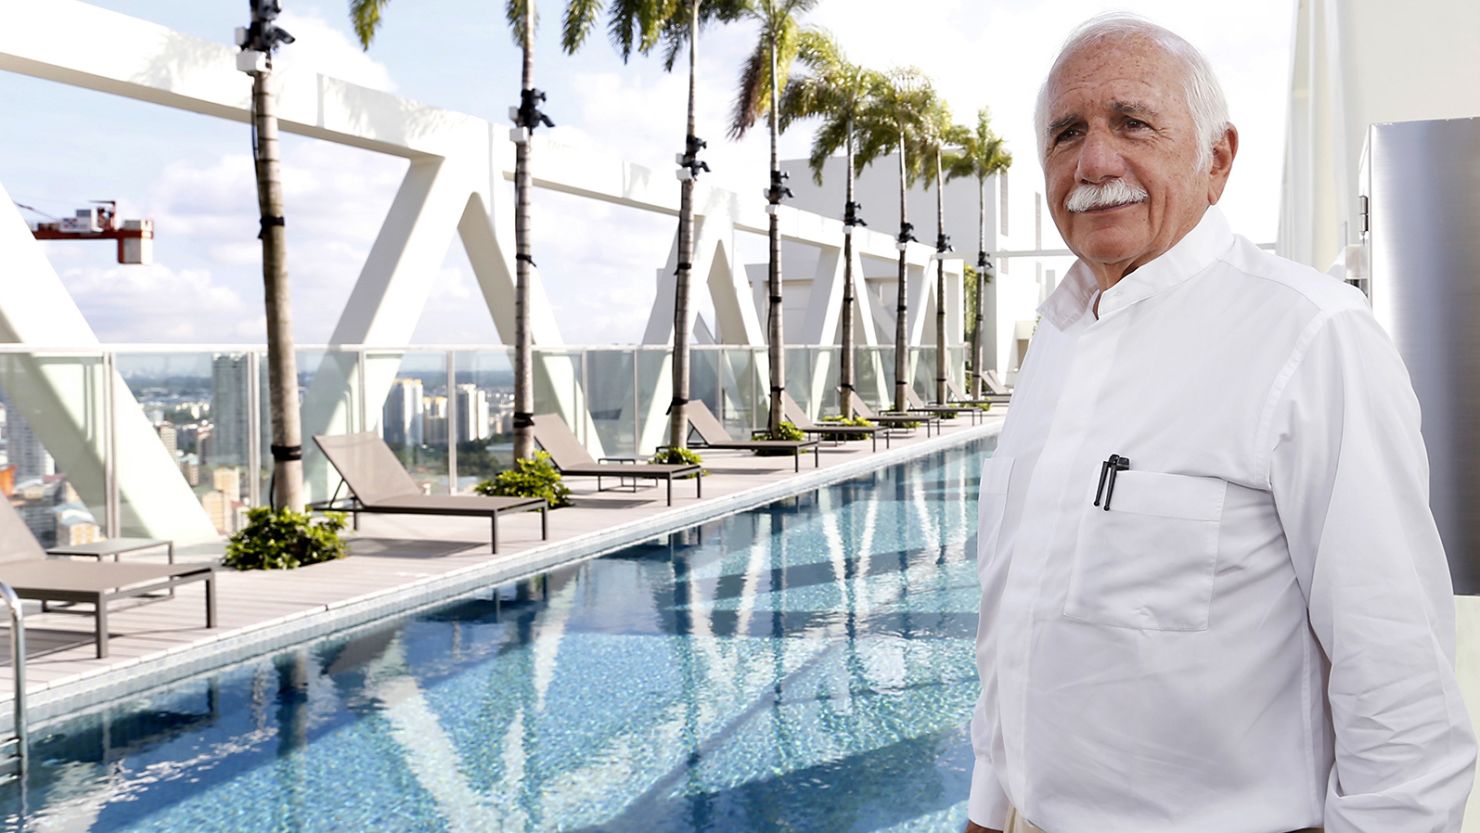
point(1213, 597)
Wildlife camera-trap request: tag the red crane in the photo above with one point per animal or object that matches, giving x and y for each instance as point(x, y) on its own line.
point(99, 222)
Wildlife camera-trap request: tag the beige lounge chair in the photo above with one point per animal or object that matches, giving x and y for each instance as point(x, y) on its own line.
point(379, 484)
point(838, 433)
point(555, 437)
point(994, 384)
point(915, 405)
point(712, 434)
point(892, 422)
point(25, 567)
point(957, 396)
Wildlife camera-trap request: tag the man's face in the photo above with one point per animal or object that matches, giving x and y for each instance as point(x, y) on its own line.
point(1118, 111)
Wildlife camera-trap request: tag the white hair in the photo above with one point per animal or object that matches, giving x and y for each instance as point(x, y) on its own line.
point(1205, 100)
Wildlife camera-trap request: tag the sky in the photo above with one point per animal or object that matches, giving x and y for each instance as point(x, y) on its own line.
point(192, 174)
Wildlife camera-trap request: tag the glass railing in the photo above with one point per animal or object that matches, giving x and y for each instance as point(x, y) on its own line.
point(173, 442)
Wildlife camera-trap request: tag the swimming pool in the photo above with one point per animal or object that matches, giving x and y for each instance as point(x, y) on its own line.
point(806, 666)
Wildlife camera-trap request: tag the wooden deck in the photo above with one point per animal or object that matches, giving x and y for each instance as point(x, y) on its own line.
point(399, 563)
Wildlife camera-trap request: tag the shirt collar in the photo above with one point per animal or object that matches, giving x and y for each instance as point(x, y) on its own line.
point(1196, 250)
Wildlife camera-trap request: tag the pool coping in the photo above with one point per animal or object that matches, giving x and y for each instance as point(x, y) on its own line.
point(68, 696)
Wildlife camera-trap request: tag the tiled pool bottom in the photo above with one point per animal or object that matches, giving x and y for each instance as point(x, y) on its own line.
point(807, 666)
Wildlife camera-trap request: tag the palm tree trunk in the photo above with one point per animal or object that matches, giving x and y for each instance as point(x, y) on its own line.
point(523, 374)
point(940, 284)
point(678, 423)
point(981, 286)
point(845, 371)
point(282, 366)
point(773, 282)
point(901, 308)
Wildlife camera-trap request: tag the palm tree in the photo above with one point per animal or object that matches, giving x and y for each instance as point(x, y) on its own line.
point(638, 25)
point(936, 134)
point(890, 124)
point(263, 36)
point(520, 14)
point(838, 92)
point(982, 154)
point(767, 68)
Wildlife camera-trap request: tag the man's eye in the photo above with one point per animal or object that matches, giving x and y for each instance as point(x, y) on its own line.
point(1067, 134)
point(1136, 124)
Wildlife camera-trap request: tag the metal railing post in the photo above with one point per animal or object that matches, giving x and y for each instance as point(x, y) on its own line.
point(18, 669)
point(451, 423)
point(253, 464)
point(362, 356)
point(111, 525)
point(636, 380)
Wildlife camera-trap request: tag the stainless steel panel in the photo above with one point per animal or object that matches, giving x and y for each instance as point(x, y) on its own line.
point(1422, 185)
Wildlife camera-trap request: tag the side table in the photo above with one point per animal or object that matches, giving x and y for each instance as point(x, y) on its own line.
point(117, 548)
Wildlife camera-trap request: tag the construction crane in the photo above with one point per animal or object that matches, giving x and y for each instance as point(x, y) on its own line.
point(100, 222)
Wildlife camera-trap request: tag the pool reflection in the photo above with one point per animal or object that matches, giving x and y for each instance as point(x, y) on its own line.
point(803, 666)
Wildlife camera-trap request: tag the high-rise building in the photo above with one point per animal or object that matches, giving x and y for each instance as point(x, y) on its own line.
point(221, 508)
point(23, 448)
point(228, 480)
point(169, 438)
point(434, 430)
point(75, 525)
point(472, 413)
point(230, 411)
point(403, 420)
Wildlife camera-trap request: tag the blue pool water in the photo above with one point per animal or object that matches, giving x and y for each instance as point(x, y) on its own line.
point(807, 666)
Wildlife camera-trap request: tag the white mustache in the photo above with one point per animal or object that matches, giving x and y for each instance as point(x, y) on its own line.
point(1088, 197)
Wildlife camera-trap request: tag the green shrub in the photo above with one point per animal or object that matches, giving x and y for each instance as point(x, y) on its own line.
point(861, 422)
point(785, 431)
point(531, 477)
point(678, 456)
point(788, 432)
point(284, 539)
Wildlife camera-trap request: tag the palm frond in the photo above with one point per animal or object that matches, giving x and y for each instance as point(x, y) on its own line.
point(365, 15)
point(580, 18)
point(753, 89)
point(829, 139)
point(982, 152)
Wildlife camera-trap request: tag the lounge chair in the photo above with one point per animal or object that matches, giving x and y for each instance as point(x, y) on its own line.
point(379, 484)
point(994, 384)
point(838, 433)
point(893, 421)
point(25, 567)
point(712, 434)
point(957, 396)
point(915, 405)
point(555, 437)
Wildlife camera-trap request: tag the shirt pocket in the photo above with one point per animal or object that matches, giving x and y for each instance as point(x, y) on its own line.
point(991, 504)
point(1148, 562)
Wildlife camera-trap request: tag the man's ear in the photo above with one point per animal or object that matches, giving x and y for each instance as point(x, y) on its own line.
point(1224, 150)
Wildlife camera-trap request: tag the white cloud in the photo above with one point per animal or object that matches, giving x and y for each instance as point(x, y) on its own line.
point(320, 45)
point(153, 303)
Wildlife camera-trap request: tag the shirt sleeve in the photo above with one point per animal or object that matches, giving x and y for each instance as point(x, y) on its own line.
point(987, 804)
point(1349, 474)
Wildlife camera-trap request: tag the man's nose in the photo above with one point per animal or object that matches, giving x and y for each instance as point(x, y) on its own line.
point(1099, 158)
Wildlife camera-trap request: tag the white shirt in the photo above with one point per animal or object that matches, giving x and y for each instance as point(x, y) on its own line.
point(1258, 636)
